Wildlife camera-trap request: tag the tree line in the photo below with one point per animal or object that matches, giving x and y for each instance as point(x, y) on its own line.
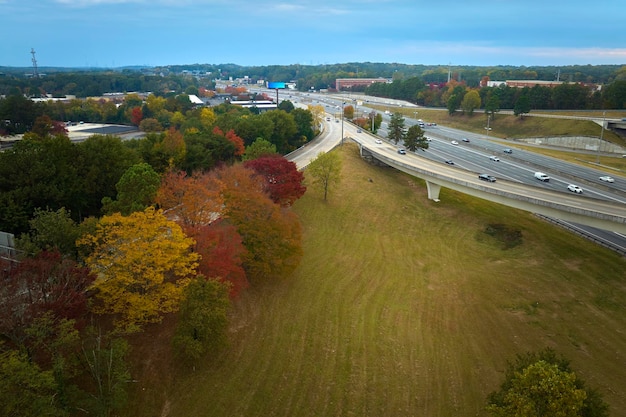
point(115, 235)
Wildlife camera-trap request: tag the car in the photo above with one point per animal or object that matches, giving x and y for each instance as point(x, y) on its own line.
point(454, 142)
point(449, 162)
point(606, 178)
point(542, 177)
point(507, 150)
point(336, 120)
point(486, 177)
point(494, 158)
point(378, 141)
point(401, 151)
point(328, 119)
point(575, 189)
point(358, 131)
point(465, 140)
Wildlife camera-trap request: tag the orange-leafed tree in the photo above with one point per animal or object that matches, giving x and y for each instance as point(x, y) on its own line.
point(232, 137)
point(142, 263)
point(190, 200)
point(222, 252)
point(283, 182)
point(271, 234)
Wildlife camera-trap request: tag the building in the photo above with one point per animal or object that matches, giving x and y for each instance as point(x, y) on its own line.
point(344, 83)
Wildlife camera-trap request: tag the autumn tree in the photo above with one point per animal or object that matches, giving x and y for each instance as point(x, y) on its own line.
point(543, 384)
point(192, 200)
point(143, 262)
point(348, 112)
point(44, 284)
point(271, 235)
point(317, 112)
point(203, 318)
point(325, 171)
point(222, 254)
point(283, 181)
point(470, 102)
point(136, 115)
point(232, 138)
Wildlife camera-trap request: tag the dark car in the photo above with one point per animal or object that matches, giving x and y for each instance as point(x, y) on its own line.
point(449, 162)
point(465, 140)
point(486, 177)
point(507, 150)
point(401, 151)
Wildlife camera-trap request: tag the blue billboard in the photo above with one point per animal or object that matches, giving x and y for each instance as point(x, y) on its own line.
point(275, 84)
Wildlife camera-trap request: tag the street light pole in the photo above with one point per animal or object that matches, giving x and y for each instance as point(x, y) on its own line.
point(342, 106)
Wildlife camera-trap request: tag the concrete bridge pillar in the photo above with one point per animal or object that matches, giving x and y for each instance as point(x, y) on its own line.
point(433, 191)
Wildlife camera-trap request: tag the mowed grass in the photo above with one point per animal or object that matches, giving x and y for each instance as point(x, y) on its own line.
point(405, 307)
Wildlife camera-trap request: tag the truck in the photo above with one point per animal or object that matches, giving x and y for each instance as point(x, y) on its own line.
point(542, 177)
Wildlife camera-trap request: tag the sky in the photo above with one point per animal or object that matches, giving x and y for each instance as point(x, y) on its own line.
point(117, 33)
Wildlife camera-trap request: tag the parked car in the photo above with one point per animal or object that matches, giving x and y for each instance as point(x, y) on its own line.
point(449, 162)
point(575, 189)
point(401, 151)
point(494, 158)
point(606, 178)
point(465, 140)
point(454, 142)
point(486, 177)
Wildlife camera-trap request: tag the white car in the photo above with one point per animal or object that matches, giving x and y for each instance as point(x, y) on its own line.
point(494, 158)
point(378, 141)
point(606, 178)
point(575, 189)
point(454, 142)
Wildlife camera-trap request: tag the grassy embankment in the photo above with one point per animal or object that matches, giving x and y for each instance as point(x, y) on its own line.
point(406, 307)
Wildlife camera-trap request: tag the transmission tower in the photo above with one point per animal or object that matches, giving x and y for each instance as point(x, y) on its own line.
point(35, 73)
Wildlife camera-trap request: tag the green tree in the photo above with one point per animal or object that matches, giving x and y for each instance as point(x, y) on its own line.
point(492, 105)
point(471, 101)
point(136, 190)
point(415, 139)
point(325, 172)
point(50, 230)
point(25, 389)
point(258, 148)
point(203, 318)
point(543, 384)
point(396, 131)
point(522, 106)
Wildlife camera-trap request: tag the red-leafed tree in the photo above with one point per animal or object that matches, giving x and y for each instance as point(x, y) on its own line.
point(283, 181)
point(136, 116)
point(240, 147)
point(46, 284)
point(222, 254)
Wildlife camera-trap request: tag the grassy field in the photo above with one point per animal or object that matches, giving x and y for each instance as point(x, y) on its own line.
point(403, 307)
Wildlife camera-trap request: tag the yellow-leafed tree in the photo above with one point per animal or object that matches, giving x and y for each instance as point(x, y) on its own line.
point(142, 262)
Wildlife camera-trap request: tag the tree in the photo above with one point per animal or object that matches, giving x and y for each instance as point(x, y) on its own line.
point(136, 190)
point(283, 181)
point(414, 139)
point(50, 230)
point(203, 318)
point(222, 253)
point(143, 262)
point(492, 105)
point(543, 384)
point(136, 115)
point(522, 105)
point(396, 131)
point(325, 171)
point(191, 200)
point(259, 148)
point(286, 105)
point(25, 389)
point(471, 101)
point(348, 112)
point(271, 235)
